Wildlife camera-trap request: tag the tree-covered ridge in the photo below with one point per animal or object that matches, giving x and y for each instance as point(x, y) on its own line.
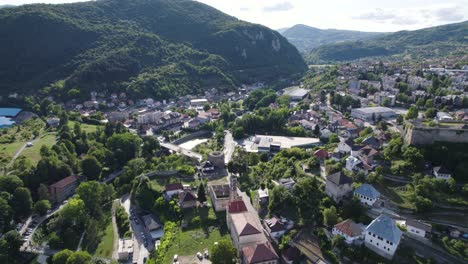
point(160, 48)
point(306, 38)
point(428, 42)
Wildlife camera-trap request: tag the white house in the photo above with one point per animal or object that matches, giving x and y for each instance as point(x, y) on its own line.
point(383, 236)
point(351, 163)
point(338, 186)
point(418, 228)
point(173, 189)
point(349, 230)
point(367, 194)
point(442, 172)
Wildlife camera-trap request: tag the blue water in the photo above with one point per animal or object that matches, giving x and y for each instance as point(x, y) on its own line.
point(11, 112)
point(6, 122)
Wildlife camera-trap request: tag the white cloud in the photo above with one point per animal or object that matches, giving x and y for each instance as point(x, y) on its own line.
point(284, 6)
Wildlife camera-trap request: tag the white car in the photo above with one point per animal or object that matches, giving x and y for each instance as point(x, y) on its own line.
point(29, 144)
point(199, 255)
point(176, 258)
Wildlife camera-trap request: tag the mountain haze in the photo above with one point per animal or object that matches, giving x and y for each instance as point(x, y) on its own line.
point(161, 48)
point(306, 38)
point(428, 42)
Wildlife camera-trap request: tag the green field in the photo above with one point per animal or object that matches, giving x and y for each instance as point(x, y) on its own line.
point(84, 127)
point(33, 153)
point(105, 247)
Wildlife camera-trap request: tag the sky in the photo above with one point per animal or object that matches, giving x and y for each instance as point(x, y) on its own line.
point(363, 15)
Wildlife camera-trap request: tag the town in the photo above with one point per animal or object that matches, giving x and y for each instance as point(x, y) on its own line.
point(362, 161)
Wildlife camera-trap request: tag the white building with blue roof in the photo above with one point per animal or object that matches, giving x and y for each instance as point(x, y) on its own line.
point(383, 236)
point(367, 194)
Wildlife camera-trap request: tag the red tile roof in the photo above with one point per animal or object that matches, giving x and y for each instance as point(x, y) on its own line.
point(321, 154)
point(349, 228)
point(65, 182)
point(174, 187)
point(259, 253)
point(237, 207)
point(249, 230)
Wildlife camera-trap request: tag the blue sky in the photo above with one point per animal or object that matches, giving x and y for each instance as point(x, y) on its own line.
point(364, 15)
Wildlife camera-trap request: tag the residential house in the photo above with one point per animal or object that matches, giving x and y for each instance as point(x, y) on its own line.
point(383, 236)
point(219, 196)
point(290, 255)
point(187, 199)
point(173, 189)
point(367, 154)
point(125, 249)
point(262, 253)
point(207, 167)
point(371, 141)
point(287, 183)
point(348, 146)
point(367, 194)
point(348, 229)
point(275, 227)
point(53, 121)
point(153, 227)
point(321, 154)
point(338, 186)
point(418, 228)
point(441, 172)
point(63, 189)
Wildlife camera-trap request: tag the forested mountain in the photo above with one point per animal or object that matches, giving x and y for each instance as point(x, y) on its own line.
point(428, 42)
point(306, 38)
point(161, 48)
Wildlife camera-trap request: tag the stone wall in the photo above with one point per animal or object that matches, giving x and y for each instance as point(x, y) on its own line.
point(419, 135)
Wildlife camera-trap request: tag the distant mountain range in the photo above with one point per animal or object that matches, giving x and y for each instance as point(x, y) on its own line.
point(306, 38)
point(6, 6)
point(423, 43)
point(158, 48)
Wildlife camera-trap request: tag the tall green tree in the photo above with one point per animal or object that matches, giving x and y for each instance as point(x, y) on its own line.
point(91, 167)
point(201, 193)
point(223, 252)
point(22, 202)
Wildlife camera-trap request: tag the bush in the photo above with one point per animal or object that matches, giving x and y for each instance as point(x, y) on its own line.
point(123, 223)
point(328, 254)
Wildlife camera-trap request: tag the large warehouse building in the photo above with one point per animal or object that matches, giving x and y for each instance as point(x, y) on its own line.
point(370, 113)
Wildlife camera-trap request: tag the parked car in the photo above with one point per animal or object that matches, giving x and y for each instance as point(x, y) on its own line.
point(176, 258)
point(206, 254)
point(199, 255)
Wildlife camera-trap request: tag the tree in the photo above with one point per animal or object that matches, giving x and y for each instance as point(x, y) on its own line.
point(79, 257)
point(431, 113)
point(429, 103)
point(61, 256)
point(330, 217)
point(317, 130)
point(43, 192)
point(10, 245)
point(308, 197)
point(150, 146)
point(422, 204)
point(91, 194)
point(333, 138)
point(74, 213)
point(412, 113)
point(9, 183)
point(420, 102)
point(6, 214)
point(201, 193)
point(22, 202)
point(223, 252)
point(125, 147)
point(206, 107)
point(386, 102)
point(281, 200)
point(91, 167)
point(41, 207)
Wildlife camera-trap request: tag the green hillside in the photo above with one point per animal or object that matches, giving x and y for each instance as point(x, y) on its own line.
point(306, 38)
point(429, 42)
point(161, 48)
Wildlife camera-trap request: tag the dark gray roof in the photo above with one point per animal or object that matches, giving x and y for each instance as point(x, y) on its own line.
point(419, 224)
point(442, 170)
point(386, 228)
point(339, 178)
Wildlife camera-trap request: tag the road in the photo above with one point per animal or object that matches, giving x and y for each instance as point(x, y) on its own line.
point(229, 146)
point(430, 250)
point(186, 152)
point(27, 245)
point(139, 250)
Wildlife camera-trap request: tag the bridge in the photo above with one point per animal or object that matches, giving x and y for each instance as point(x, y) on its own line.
point(185, 152)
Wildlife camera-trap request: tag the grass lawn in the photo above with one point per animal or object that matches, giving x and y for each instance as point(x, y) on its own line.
point(84, 127)
point(205, 227)
point(10, 149)
point(105, 247)
point(33, 153)
point(399, 197)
